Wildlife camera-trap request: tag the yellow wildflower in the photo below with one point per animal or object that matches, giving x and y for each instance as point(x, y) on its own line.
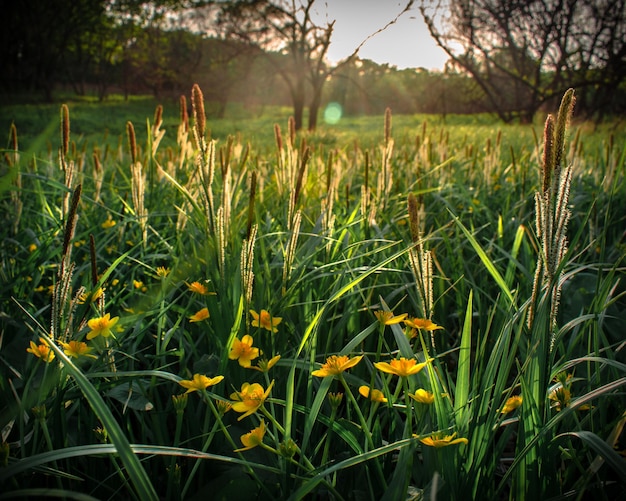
point(265, 320)
point(32, 247)
point(199, 382)
point(265, 365)
point(422, 396)
point(76, 349)
point(422, 324)
point(439, 440)
point(336, 364)
point(511, 404)
point(198, 288)
point(162, 271)
point(250, 398)
point(243, 351)
point(200, 315)
point(252, 439)
point(373, 394)
point(223, 406)
point(388, 318)
point(402, 367)
point(109, 223)
point(41, 350)
point(560, 398)
point(101, 326)
point(138, 284)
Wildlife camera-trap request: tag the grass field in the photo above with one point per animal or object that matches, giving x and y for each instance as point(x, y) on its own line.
point(398, 307)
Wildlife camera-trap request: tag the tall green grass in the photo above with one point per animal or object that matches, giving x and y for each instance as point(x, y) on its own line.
point(189, 239)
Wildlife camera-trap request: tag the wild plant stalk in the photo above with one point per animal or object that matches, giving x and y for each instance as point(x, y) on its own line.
point(552, 213)
point(138, 184)
point(66, 166)
point(420, 259)
point(205, 158)
point(385, 177)
point(16, 194)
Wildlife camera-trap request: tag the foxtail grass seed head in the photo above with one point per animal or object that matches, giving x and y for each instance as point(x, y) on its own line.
point(547, 160)
point(292, 131)
point(414, 222)
point(387, 125)
point(251, 202)
point(199, 117)
point(184, 115)
point(279, 137)
point(563, 120)
point(158, 117)
point(65, 130)
point(132, 141)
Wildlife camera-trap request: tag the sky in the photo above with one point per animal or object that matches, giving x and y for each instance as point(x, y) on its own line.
point(405, 44)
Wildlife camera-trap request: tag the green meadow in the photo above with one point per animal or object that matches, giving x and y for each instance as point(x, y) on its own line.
point(390, 307)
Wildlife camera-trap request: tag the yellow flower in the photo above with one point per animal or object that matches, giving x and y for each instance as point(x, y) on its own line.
point(265, 365)
point(101, 326)
point(243, 351)
point(388, 318)
point(199, 316)
point(32, 247)
point(402, 366)
point(439, 440)
point(373, 394)
point(560, 398)
point(223, 406)
point(252, 439)
point(250, 398)
point(422, 323)
point(336, 364)
point(162, 271)
point(109, 223)
point(422, 396)
point(511, 404)
point(198, 288)
point(265, 320)
point(76, 349)
point(199, 382)
point(41, 350)
point(138, 284)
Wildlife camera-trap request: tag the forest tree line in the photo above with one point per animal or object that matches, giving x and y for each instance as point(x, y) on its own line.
point(163, 47)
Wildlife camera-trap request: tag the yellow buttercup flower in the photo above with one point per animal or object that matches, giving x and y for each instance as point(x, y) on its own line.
point(76, 349)
point(423, 396)
point(560, 398)
point(162, 271)
point(200, 315)
point(265, 365)
point(265, 320)
point(101, 326)
point(109, 223)
point(252, 439)
point(243, 351)
point(336, 364)
point(422, 324)
point(388, 318)
point(511, 404)
point(439, 440)
point(198, 288)
point(41, 350)
point(401, 366)
point(199, 382)
point(250, 398)
point(373, 394)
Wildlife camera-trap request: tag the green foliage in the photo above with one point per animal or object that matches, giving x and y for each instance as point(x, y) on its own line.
point(200, 229)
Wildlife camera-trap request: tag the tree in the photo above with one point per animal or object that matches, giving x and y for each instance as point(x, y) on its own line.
point(287, 32)
point(524, 53)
